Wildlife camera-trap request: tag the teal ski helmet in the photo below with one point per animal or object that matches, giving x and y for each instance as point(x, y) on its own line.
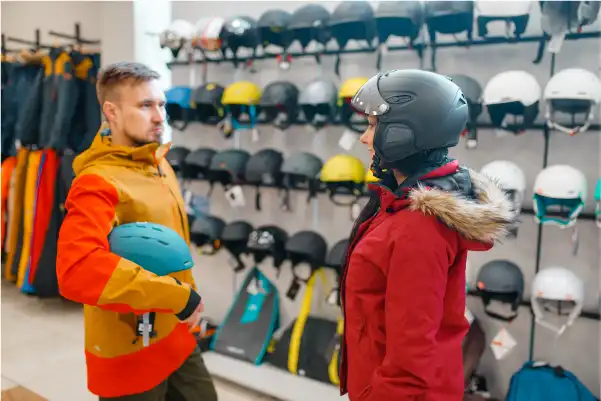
point(154, 247)
point(598, 203)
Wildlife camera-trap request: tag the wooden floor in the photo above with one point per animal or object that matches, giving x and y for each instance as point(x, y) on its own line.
point(20, 393)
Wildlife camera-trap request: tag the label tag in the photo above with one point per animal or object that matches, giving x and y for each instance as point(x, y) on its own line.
point(255, 135)
point(355, 211)
point(347, 140)
point(235, 196)
point(502, 344)
point(188, 202)
point(140, 324)
point(469, 316)
point(500, 133)
point(293, 290)
point(556, 42)
point(232, 262)
point(333, 297)
point(575, 240)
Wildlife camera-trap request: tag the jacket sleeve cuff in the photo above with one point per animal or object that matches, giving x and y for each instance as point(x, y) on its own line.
point(191, 305)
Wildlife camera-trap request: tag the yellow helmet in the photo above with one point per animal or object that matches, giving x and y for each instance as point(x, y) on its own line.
point(242, 92)
point(349, 88)
point(370, 177)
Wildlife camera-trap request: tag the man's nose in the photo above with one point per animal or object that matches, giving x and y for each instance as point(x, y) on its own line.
point(158, 116)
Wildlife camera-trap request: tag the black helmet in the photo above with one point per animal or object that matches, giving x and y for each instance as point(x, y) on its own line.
point(207, 101)
point(176, 158)
point(305, 247)
point(268, 241)
point(503, 281)
point(228, 167)
point(240, 32)
point(234, 238)
point(449, 18)
point(198, 163)
point(279, 103)
point(206, 232)
point(417, 111)
point(473, 94)
point(516, 13)
point(273, 29)
point(264, 169)
point(301, 171)
point(310, 23)
point(352, 20)
point(335, 260)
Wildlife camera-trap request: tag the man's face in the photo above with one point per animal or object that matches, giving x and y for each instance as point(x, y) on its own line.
point(140, 112)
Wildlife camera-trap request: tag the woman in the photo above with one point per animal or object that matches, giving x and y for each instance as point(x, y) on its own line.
point(403, 286)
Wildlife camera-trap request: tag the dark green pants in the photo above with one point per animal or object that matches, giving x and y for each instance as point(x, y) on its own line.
point(191, 382)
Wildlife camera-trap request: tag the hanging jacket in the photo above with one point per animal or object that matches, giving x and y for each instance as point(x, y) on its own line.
point(86, 118)
point(403, 286)
point(8, 168)
point(59, 99)
point(116, 185)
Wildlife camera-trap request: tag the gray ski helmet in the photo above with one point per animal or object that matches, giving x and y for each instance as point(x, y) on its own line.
point(473, 94)
point(240, 32)
point(310, 23)
point(417, 111)
point(228, 166)
point(450, 18)
point(337, 255)
point(279, 103)
point(176, 158)
point(300, 171)
point(234, 238)
point(206, 233)
point(353, 20)
point(318, 102)
point(207, 101)
point(264, 169)
point(306, 247)
point(267, 241)
point(501, 280)
point(198, 162)
point(399, 18)
point(273, 28)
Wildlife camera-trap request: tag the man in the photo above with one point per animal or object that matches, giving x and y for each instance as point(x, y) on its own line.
point(122, 178)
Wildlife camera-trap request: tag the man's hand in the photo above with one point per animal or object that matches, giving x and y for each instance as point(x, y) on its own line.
point(194, 319)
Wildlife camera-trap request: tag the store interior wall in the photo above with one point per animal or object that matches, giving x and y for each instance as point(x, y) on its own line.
point(112, 22)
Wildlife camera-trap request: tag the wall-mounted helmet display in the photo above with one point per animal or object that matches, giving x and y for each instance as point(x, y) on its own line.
point(179, 107)
point(559, 195)
point(350, 117)
point(176, 157)
point(177, 35)
point(206, 99)
point(206, 233)
point(335, 260)
point(352, 20)
point(560, 291)
point(264, 169)
point(241, 100)
point(473, 94)
point(448, 18)
point(267, 241)
point(561, 17)
point(308, 248)
point(273, 30)
point(240, 32)
point(310, 23)
point(399, 18)
point(227, 168)
point(572, 91)
point(234, 238)
point(598, 203)
point(512, 180)
point(422, 111)
point(516, 13)
point(207, 35)
point(279, 104)
point(512, 94)
point(300, 171)
point(198, 163)
point(343, 174)
point(501, 281)
point(318, 102)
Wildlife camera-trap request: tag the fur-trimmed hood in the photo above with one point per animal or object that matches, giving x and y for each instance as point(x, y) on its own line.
point(481, 212)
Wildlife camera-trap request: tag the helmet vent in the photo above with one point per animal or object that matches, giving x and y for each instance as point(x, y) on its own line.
point(461, 102)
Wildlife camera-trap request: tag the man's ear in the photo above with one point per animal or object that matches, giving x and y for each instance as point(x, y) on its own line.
point(109, 109)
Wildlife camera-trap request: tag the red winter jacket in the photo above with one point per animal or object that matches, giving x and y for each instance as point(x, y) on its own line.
point(403, 287)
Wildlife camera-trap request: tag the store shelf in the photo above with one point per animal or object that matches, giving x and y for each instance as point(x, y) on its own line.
point(270, 380)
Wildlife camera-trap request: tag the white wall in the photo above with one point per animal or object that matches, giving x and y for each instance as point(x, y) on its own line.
point(574, 349)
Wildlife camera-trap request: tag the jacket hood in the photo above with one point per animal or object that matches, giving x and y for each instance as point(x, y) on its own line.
point(475, 206)
point(102, 151)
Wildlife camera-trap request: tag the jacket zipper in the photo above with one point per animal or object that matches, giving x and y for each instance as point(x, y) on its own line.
point(172, 201)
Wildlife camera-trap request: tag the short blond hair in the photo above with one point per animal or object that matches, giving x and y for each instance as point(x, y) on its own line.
point(118, 74)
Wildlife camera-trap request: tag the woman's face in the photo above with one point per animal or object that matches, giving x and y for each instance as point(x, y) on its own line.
point(368, 136)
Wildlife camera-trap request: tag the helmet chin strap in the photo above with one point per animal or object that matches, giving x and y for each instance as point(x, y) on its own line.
point(376, 168)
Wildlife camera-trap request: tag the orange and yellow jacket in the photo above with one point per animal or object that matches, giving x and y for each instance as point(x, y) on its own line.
point(116, 185)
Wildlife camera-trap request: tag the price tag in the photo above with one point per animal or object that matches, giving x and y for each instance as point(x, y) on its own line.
point(500, 133)
point(188, 202)
point(502, 344)
point(469, 316)
point(235, 196)
point(575, 240)
point(556, 42)
point(355, 211)
point(255, 135)
point(347, 140)
point(333, 297)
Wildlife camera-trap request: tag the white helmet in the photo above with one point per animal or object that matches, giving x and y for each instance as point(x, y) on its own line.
point(553, 287)
point(517, 12)
point(179, 33)
point(559, 195)
point(560, 17)
point(511, 178)
point(512, 93)
point(572, 91)
point(207, 34)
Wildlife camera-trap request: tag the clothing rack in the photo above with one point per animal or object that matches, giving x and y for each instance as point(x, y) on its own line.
point(36, 44)
point(76, 37)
